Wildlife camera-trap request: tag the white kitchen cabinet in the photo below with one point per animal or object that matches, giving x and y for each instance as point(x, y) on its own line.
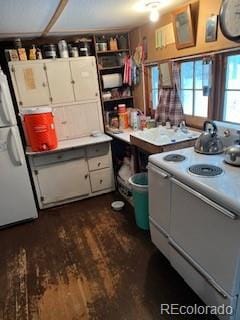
point(30, 83)
point(77, 120)
point(72, 174)
point(85, 80)
point(76, 103)
point(63, 180)
point(101, 179)
point(60, 81)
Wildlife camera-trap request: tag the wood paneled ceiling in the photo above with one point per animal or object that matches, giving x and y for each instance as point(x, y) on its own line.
point(52, 17)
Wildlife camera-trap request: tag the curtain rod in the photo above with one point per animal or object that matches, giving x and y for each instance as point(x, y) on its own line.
point(210, 53)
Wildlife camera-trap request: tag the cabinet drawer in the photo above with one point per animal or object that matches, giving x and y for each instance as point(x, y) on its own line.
point(101, 179)
point(204, 287)
point(58, 157)
point(97, 150)
point(98, 163)
point(159, 238)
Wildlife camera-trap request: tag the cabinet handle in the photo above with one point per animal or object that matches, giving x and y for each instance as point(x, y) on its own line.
point(216, 206)
point(86, 176)
point(158, 171)
point(73, 82)
point(44, 84)
point(96, 94)
point(196, 268)
point(99, 164)
point(101, 181)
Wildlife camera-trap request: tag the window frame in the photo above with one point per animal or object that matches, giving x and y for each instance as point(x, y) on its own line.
point(192, 120)
point(150, 88)
point(223, 79)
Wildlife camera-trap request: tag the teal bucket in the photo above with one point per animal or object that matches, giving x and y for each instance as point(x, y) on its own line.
point(139, 183)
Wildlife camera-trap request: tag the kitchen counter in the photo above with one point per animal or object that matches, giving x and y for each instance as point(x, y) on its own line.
point(124, 136)
point(73, 143)
point(223, 189)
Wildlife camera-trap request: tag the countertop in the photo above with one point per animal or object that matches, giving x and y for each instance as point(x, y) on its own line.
point(124, 136)
point(73, 143)
point(223, 189)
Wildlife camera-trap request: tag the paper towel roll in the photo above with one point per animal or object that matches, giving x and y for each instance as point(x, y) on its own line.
point(112, 80)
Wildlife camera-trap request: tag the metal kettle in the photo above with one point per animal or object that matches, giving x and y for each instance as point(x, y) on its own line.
point(232, 153)
point(209, 142)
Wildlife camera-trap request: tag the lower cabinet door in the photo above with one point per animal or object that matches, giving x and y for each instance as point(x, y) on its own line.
point(63, 180)
point(101, 179)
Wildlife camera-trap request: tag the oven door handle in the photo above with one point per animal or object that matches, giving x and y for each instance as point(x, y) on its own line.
point(213, 204)
point(197, 268)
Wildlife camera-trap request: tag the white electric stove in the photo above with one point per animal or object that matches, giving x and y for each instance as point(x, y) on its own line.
point(194, 208)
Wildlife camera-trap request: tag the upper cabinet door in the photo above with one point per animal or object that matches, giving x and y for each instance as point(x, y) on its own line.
point(85, 80)
point(60, 81)
point(30, 84)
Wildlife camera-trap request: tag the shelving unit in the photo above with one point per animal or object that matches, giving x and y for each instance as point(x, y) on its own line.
point(111, 62)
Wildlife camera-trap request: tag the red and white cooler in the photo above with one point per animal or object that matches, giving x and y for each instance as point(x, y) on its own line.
point(39, 128)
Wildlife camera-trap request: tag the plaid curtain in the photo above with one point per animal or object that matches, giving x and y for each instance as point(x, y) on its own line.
point(170, 106)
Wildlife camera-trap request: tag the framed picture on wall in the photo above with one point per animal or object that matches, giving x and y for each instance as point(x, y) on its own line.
point(165, 70)
point(211, 28)
point(183, 27)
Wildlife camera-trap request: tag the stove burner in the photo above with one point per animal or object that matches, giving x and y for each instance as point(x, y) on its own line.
point(175, 157)
point(205, 170)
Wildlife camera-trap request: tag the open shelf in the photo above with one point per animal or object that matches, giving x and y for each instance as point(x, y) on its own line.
point(112, 51)
point(117, 99)
point(111, 68)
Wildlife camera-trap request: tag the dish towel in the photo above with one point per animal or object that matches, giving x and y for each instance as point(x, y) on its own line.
point(170, 106)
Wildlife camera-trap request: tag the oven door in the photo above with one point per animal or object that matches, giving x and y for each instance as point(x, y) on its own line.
point(207, 233)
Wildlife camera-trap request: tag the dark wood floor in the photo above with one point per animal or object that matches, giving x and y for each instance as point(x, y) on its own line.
point(84, 261)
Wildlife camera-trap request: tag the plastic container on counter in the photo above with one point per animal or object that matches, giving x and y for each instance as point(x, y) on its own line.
point(123, 120)
point(39, 128)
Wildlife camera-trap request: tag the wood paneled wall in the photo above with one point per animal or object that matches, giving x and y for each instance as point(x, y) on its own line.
point(201, 9)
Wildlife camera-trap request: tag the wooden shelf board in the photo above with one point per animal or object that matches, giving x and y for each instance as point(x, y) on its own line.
point(110, 68)
point(112, 51)
point(116, 99)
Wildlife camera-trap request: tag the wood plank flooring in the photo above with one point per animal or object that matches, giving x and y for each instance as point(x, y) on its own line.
point(85, 261)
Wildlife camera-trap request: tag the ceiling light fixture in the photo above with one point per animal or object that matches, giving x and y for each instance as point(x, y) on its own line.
point(153, 6)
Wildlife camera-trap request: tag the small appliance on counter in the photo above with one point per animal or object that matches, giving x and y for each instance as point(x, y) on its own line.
point(209, 142)
point(39, 128)
point(232, 153)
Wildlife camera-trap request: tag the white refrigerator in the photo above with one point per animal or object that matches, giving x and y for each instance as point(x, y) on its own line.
point(16, 195)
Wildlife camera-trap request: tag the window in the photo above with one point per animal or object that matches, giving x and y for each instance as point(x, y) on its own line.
point(231, 103)
point(154, 74)
point(193, 100)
